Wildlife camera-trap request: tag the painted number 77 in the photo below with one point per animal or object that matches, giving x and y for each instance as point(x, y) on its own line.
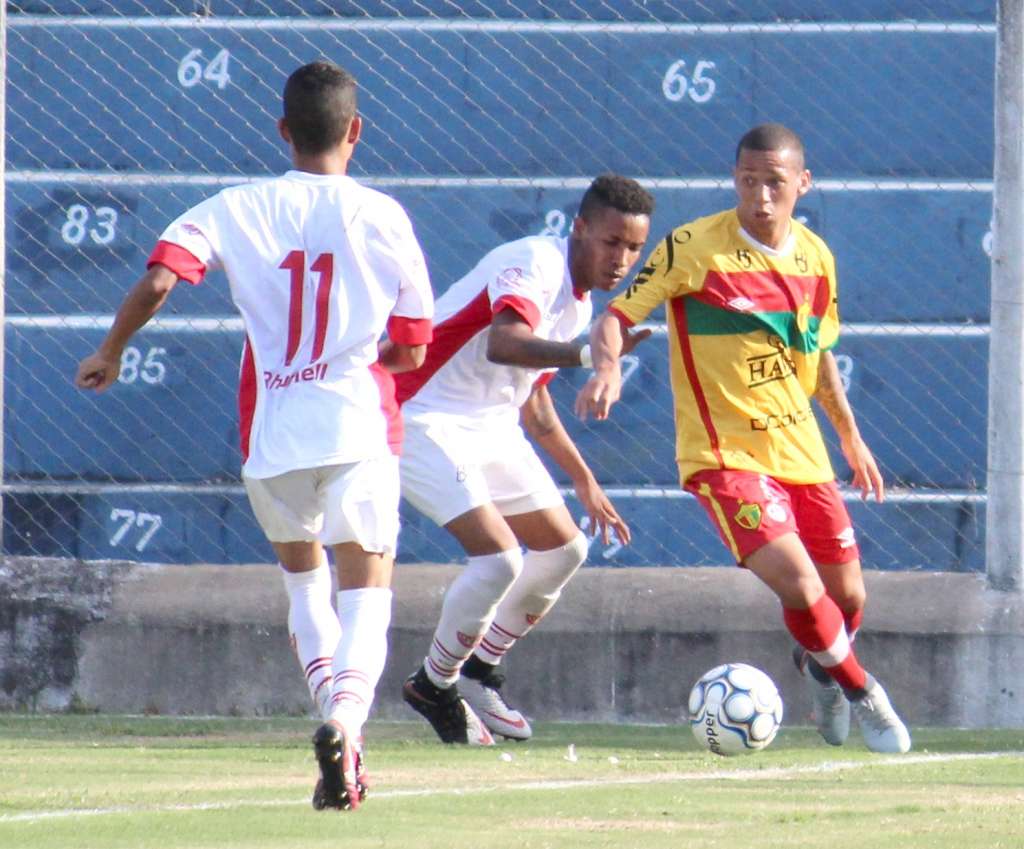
point(128, 519)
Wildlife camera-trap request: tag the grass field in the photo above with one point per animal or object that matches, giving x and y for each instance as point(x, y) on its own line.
point(95, 782)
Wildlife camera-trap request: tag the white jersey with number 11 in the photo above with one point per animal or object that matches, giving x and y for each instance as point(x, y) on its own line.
point(319, 266)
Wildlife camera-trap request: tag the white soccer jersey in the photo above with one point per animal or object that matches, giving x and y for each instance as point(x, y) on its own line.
point(531, 276)
point(318, 267)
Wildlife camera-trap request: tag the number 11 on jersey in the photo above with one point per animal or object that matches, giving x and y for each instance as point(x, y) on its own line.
point(323, 267)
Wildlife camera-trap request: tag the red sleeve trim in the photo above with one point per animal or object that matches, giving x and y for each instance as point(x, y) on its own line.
point(182, 262)
point(410, 331)
point(625, 320)
point(527, 310)
point(545, 378)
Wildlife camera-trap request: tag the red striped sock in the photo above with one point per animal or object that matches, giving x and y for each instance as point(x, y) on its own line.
point(821, 630)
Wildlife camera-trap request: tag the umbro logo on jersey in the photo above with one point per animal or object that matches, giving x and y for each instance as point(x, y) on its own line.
point(742, 304)
point(274, 380)
point(192, 229)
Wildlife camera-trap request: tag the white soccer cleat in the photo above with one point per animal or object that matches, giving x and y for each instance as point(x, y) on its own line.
point(882, 729)
point(831, 707)
point(484, 697)
point(477, 732)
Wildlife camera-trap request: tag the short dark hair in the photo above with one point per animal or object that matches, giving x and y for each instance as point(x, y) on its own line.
point(319, 105)
point(616, 192)
point(770, 137)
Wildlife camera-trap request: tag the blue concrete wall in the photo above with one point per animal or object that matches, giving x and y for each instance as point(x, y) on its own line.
point(150, 469)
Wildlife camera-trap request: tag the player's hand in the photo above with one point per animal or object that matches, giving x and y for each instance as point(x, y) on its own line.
point(98, 372)
point(599, 394)
point(631, 339)
point(866, 476)
point(603, 516)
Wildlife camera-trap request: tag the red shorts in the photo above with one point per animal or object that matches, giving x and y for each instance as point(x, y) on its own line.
point(750, 509)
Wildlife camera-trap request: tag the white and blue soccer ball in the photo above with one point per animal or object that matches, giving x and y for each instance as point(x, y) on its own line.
point(735, 709)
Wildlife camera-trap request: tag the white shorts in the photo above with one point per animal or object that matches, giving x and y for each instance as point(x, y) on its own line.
point(353, 502)
point(448, 469)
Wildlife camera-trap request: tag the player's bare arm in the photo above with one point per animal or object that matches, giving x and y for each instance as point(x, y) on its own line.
point(831, 397)
point(396, 357)
point(540, 419)
point(511, 342)
point(100, 369)
point(609, 339)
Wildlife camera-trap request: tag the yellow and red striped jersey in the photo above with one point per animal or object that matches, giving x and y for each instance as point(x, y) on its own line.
point(747, 326)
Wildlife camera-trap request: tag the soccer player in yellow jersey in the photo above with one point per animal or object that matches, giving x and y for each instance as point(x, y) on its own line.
point(750, 298)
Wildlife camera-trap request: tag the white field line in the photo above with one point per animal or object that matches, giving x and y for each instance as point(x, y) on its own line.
point(772, 773)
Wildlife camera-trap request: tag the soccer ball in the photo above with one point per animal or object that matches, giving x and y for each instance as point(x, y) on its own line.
point(735, 709)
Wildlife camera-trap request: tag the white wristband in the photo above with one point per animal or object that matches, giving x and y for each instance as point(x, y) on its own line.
point(586, 360)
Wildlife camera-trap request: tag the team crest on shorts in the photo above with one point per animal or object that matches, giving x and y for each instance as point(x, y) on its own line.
point(748, 516)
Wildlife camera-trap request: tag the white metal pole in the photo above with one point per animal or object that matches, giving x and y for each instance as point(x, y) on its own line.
point(3, 241)
point(1004, 534)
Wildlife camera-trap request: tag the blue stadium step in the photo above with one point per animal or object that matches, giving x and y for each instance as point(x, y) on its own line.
point(942, 531)
point(172, 415)
point(77, 246)
point(906, 253)
point(639, 11)
point(914, 530)
point(143, 523)
point(919, 403)
point(503, 100)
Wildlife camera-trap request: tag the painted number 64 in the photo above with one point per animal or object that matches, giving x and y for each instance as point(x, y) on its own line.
point(192, 71)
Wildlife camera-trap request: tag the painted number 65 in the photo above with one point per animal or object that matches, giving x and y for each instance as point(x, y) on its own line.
point(698, 86)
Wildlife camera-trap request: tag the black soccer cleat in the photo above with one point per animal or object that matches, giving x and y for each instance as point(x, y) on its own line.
point(447, 712)
point(342, 784)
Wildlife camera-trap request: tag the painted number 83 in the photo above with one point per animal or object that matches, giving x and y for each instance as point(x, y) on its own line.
point(98, 224)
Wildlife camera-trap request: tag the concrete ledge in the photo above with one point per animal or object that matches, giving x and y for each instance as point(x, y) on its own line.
point(623, 644)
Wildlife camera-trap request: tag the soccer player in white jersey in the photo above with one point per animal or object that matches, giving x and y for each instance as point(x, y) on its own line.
point(500, 334)
point(319, 267)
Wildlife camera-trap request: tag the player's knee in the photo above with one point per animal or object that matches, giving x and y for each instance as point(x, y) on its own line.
point(551, 569)
point(576, 552)
point(800, 591)
point(499, 570)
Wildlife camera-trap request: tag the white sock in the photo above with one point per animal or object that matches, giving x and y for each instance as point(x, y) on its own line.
point(545, 573)
point(469, 607)
point(314, 629)
point(365, 615)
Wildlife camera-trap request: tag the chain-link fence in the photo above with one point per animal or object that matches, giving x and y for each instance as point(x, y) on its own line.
point(486, 120)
